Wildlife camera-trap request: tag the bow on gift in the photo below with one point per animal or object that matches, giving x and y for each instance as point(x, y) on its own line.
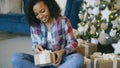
point(109, 56)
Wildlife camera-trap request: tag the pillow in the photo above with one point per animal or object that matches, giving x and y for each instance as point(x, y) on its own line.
point(10, 6)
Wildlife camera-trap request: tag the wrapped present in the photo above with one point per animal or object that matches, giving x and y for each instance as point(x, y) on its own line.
point(85, 48)
point(44, 58)
point(87, 62)
point(105, 61)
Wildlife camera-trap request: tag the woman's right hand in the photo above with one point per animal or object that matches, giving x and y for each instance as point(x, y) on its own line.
point(38, 49)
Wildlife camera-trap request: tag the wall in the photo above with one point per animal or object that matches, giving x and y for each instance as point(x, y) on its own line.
point(10, 6)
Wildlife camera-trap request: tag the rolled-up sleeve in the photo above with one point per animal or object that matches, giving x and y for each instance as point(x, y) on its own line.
point(71, 40)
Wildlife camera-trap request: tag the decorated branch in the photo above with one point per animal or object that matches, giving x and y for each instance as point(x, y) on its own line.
point(100, 21)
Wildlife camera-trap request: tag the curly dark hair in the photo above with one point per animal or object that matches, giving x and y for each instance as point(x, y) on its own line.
point(30, 16)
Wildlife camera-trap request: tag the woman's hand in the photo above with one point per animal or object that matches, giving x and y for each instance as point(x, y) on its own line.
point(59, 54)
point(38, 49)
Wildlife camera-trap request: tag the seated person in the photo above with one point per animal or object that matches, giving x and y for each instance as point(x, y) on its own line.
point(49, 31)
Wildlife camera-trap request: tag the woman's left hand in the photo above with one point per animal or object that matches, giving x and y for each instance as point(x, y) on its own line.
point(59, 54)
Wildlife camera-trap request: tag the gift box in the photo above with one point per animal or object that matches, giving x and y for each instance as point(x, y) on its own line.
point(44, 58)
point(105, 61)
point(87, 63)
point(85, 48)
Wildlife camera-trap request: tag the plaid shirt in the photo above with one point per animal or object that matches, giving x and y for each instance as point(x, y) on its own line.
point(62, 35)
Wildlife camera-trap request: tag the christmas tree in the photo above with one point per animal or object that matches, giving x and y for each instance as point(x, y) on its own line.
point(100, 21)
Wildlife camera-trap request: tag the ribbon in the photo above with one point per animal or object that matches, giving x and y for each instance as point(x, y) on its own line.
point(89, 65)
point(114, 63)
point(86, 49)
point(87, 62)
point(95, 61)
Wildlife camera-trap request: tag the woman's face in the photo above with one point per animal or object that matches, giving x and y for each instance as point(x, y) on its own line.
point(41, 11)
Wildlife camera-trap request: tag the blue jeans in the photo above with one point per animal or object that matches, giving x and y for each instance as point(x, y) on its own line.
point(22, 60)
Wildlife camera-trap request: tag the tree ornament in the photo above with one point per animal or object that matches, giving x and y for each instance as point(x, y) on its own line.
point(82, 23)
point(88, 17)
point(116, 23)
point(92, 29)
point(98, 23)
point(95, 11)
point(102, 5)
point(113, 15)
point(91, 17)
point(93, 20)
point(111, 6)
point(98, 20)
point(94, 41)
point(104, 38)
point(104, 26)
point(112, 32)
point(81, 29)
point(86, 28)
point(89, 11)
point(97, 2)
point(105, 14)
point(81, 15)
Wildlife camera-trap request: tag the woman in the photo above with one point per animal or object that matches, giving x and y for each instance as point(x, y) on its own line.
point(51, 31)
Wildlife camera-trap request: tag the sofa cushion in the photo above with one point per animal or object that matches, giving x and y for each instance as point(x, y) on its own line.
point(11, 18)
point(15, 23)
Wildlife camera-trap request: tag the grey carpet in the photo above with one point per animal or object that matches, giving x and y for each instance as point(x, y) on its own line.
point(10, 45)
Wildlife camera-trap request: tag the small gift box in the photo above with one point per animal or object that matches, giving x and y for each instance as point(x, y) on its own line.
point(105, 61)
point(44, 58)
point(85, 48)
